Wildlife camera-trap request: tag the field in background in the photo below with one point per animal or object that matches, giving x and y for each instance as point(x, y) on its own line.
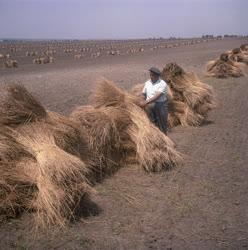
point(65, 52)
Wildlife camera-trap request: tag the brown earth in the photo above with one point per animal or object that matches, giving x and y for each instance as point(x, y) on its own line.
point(200, 205)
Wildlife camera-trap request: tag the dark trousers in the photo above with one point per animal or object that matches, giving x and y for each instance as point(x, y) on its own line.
point(158, 114)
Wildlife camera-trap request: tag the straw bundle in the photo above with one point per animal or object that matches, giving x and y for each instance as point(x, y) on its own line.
point(224, 67)
point(199, 96)
point(58, 176)
point(107, 94)
point(137, 90)
point(244, 48)
point(238, 55)
point(105, 128)
point(37, 174)
point(44, 161)
point(181, 114)
point(154, 150)
point(141, 134)
point(18, 106)
point(68, 136)
point(189, 99)
point(16, 185)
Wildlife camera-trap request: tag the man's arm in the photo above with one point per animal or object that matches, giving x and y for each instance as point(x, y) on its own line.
point(154, 98)
point(150, 100)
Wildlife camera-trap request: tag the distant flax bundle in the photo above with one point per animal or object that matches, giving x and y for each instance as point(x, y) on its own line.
point(43, 164)
point(189, 99)
point(244, 48)
point(239, 55)
point(229, 64)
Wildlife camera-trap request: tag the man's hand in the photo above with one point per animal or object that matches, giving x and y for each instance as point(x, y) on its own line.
point(151, 100)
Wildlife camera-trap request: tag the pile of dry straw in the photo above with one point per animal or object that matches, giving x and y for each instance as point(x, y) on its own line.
point(47, 160)
point(231, 63)
point(41, 160)
point(189, 99)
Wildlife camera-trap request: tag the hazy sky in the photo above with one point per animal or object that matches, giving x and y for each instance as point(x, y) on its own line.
point(117, 19)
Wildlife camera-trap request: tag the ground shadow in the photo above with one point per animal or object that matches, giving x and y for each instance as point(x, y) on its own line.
point(206, 123)
point(86, 208)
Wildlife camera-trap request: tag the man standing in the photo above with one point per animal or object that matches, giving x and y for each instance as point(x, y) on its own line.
point(155, 93)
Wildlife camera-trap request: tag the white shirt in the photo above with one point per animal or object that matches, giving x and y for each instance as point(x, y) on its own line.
point(151, 89)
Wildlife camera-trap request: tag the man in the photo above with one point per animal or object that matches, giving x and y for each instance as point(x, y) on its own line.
point(155, 93)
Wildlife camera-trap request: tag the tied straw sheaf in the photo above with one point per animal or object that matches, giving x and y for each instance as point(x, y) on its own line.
point(41, 160)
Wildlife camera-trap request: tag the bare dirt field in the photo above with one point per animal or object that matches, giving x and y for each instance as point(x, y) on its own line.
point(202, 204)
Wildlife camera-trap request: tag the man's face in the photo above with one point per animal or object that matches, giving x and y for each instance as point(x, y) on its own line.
point(154, 77)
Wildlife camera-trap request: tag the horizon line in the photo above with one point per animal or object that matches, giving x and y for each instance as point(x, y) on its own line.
point(142, 38)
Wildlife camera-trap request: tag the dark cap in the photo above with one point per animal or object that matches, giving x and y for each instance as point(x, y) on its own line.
point(155, 71)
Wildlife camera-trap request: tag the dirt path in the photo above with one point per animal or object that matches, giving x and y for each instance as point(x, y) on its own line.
point(201, 205)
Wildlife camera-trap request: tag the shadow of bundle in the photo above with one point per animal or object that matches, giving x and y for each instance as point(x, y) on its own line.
point(42, 162)
point(237, 55)
point(224, 67)
point(152, 149)
point(189, 99)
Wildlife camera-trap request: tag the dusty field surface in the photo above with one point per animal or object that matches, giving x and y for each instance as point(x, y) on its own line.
point(202, 204)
